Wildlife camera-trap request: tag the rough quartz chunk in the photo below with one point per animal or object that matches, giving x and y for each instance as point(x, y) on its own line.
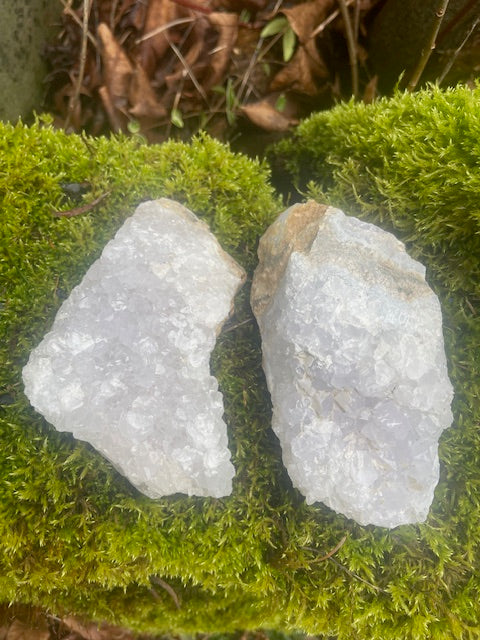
point(126, 363)
point(355, 364)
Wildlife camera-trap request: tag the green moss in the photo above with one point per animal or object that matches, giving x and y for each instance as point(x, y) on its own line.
point(76, 537)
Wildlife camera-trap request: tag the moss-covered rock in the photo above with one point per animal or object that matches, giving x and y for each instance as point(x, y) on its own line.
point(75, 536)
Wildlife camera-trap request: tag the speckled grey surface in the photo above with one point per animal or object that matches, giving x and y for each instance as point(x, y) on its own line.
point(26, 25)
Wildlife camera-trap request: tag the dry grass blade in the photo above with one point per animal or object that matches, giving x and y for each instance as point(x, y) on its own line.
point(159, 14)
point(189, 71)
point(338, 546)
point(164, 27)
point(457, 51)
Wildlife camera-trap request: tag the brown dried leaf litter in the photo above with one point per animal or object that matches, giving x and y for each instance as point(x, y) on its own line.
point(155, 66)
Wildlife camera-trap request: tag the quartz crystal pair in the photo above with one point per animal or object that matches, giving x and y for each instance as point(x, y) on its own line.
point(352, 351)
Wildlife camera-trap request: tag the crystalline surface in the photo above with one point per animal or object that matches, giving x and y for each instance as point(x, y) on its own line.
point(354, 359)
point(126, 363)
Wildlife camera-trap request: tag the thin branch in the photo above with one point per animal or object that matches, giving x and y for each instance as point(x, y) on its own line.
point(67, 10)
point(73, 103)
point(323, 25)
point(429, 45)
point(356, 20)
point(352, 46)
point(450, 63)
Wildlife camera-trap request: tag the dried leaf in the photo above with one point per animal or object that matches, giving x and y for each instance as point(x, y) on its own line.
point(227, 26)
point(117, 119)
point(302, 73)
point(160, 14)
point(118, 68)
point(370, 91)
point(20, 631)
point(91, 631)
point(264, 115)
point(305, 17)
point(142, 97)
point(239, 5)
point(307, 65)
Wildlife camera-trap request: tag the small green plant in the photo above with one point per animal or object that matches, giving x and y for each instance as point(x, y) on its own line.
point(176, 118)
point(280, 25)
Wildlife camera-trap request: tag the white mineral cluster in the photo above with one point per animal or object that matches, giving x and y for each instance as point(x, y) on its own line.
point(126, 363)
point(355, 364)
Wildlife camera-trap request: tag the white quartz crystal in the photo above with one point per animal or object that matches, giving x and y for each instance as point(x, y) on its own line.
point(126, 363)
point(355, 364)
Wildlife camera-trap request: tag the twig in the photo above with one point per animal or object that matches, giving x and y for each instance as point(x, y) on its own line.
point(352, 47)
point(429, 45)
point(78, 211)
point(72, 106)
point(168, 589)
point(449, 64)
point(356, 20)
point(67, 10)
point(322, 26)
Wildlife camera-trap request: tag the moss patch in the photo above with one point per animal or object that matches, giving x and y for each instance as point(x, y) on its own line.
point(75, 536)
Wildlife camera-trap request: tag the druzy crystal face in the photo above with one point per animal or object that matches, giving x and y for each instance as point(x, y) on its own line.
point(126, 363)
point(355, 364)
